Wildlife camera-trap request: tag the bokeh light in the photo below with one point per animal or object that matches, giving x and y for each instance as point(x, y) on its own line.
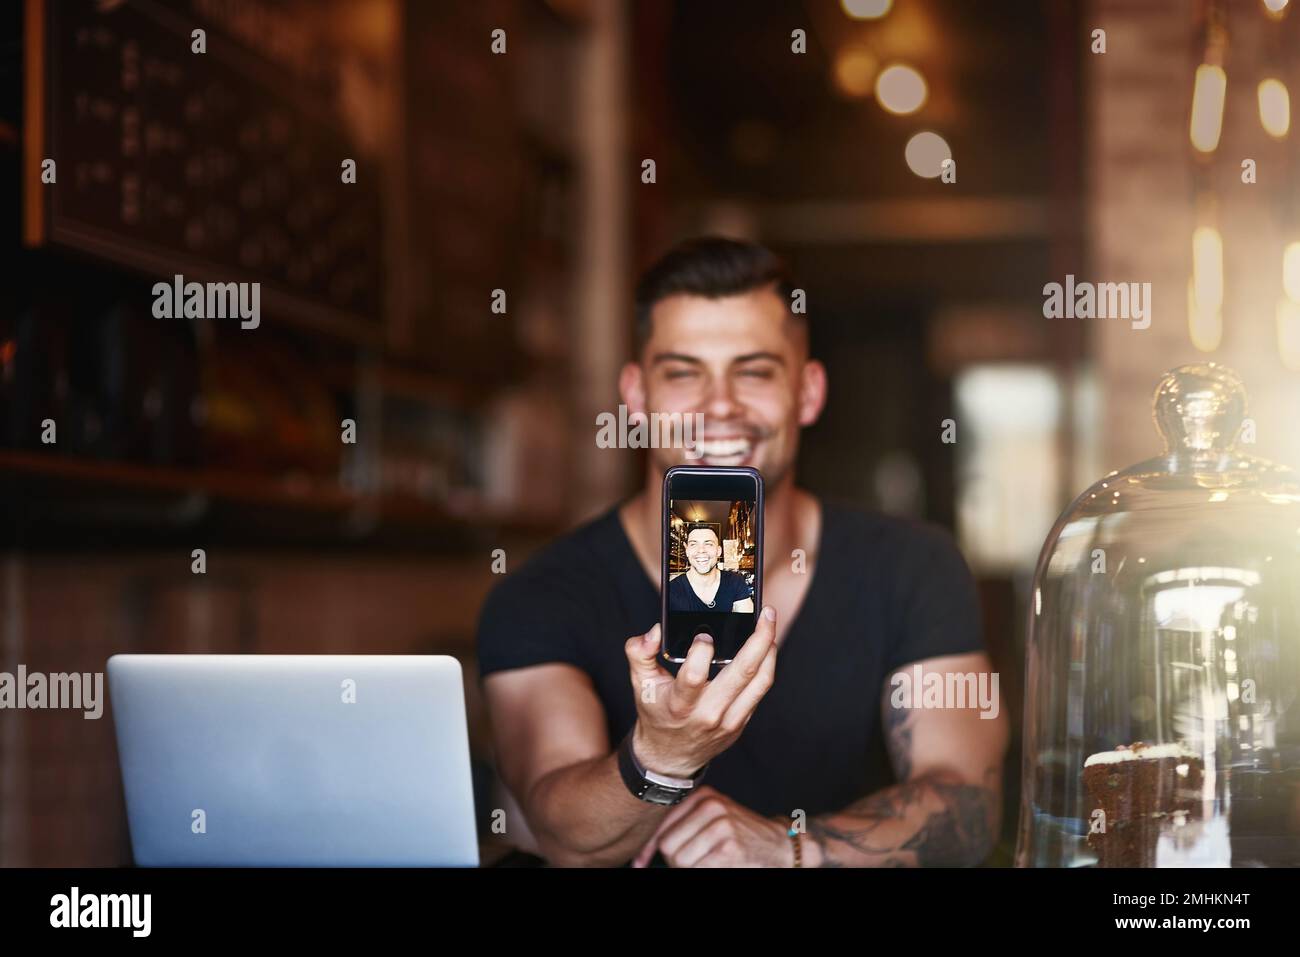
point(925, 153)
point(900, 89)
point(855, 71)
point(1274, 108)
point(866, 9)
point(1207, 267)
point(1208, 93)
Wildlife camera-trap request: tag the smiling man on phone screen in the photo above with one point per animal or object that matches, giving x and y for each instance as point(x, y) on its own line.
point(704, 586)
point(797, 753)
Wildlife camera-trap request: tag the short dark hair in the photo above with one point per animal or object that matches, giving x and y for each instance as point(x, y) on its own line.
point(706, 528)
point(713, 267)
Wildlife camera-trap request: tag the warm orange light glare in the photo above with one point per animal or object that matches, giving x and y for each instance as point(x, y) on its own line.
point(1288, 333)
point(1291, 271)
point(866, 9)
point(1207, 267)
point(925, 153)
point(1207, 106)
point(900, 89)
point(1274, 108)
point(855, 71)
point(1204, 325)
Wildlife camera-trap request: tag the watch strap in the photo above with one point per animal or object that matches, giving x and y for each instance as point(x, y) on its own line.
point(651, 786)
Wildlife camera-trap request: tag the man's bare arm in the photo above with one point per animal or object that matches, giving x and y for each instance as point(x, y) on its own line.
point(946, 808)
point(555, 757)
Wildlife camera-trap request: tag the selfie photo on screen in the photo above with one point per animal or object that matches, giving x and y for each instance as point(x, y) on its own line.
point(706, 571)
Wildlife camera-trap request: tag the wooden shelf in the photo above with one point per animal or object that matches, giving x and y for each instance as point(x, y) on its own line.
point(289, 491)
point(86, 482)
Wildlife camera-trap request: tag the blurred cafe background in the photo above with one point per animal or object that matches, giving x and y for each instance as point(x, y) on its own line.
point(1113, 157)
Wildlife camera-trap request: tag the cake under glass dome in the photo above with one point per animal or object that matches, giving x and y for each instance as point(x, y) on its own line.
point(1162, 726)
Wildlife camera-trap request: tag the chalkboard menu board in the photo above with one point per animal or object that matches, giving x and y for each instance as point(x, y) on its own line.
point(222, 166)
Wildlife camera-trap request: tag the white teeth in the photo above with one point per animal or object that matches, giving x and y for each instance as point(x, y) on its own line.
point(723, 448)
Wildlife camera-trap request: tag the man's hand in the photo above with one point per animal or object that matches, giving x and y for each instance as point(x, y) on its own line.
point(709, 829)
point(684, 722)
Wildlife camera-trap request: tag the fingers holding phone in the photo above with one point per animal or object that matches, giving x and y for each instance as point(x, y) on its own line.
point(741, 685)
point(683, 722)
point(711, 588)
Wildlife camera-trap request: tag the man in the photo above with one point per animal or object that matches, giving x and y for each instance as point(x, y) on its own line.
point(789, 735)
point(704, 586)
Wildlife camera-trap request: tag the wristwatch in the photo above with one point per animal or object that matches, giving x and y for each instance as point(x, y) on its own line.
point(650, 786)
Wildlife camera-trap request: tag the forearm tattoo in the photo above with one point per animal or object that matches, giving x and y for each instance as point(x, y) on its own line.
point(954, 825)
point(898, 740)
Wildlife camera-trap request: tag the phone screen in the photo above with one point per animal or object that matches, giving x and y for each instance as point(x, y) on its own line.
point(712, 561)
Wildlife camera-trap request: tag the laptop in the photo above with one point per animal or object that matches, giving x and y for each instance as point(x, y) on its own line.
point(294, 760)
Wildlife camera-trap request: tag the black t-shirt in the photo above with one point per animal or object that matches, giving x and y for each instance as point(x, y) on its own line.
point(884, 593)
point(732, 588)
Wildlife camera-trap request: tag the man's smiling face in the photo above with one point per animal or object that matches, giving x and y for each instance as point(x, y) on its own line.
point(703, 550)
point(740, 360)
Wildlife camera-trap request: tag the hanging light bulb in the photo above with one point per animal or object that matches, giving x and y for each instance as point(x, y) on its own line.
point(1208, 93)
point(1207, 267)
point(1205, 290)
point(1274, 108)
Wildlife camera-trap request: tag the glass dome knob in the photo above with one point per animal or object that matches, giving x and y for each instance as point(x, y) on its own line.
point(1199, 408)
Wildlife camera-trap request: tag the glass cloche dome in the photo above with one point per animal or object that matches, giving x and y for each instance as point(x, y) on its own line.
point(1163, 661)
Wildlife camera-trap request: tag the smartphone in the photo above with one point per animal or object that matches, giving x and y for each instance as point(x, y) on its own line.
point(712, 560)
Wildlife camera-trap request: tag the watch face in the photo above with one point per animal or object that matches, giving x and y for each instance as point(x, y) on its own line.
point(657, 794)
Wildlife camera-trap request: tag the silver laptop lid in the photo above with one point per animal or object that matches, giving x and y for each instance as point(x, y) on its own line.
point(294, 760)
